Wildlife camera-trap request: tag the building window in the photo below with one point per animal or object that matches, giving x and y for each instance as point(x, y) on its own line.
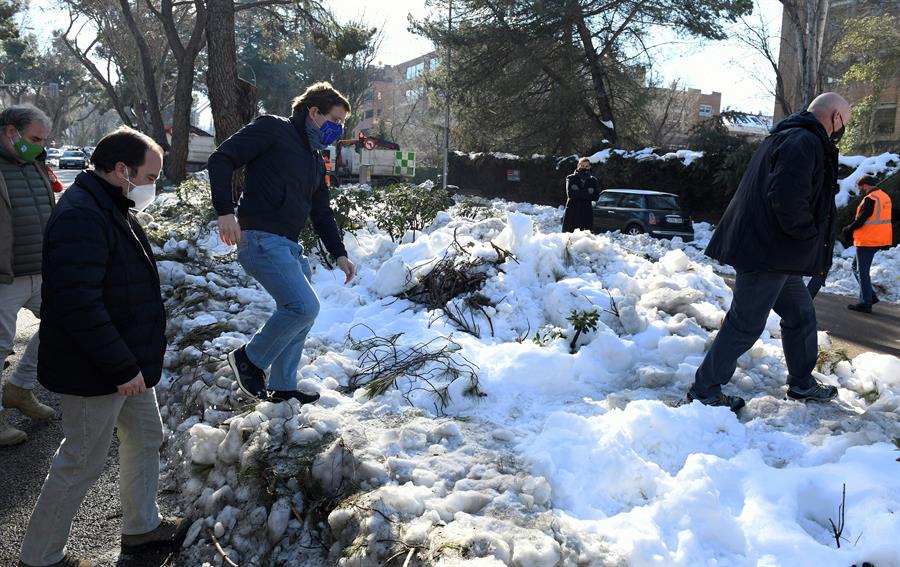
point(433, 64)
point(705, 110)
point(369, 114)
point(414, 71)
point(885, 119)
point(412, 95)
point(378, 95)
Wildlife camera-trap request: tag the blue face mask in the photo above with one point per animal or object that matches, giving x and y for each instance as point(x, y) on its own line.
point(324, 135)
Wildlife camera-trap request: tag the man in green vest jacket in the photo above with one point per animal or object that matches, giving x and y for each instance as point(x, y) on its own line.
point(26, 201)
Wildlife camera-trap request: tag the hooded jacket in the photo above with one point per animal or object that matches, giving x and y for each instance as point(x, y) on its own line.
point(781, 218)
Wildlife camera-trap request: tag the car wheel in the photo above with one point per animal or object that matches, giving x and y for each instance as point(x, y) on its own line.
point(634, 229)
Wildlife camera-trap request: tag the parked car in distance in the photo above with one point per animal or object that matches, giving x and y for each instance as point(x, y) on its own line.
point(73, 159)
point(639, 211)
point(54, 153)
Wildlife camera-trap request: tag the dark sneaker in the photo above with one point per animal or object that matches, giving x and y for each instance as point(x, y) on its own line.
point(861, 307)
point(171, 532)
point(67, 561)
point(250, 379)
point(734, 403)
point(875, 299)
point(817, 393)
point(285, 395)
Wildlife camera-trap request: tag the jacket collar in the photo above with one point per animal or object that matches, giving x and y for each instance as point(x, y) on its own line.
point(94, 187)
point(299, 124)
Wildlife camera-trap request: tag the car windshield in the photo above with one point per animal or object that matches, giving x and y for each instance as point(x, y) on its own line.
point(73, 154)
point(662, 202)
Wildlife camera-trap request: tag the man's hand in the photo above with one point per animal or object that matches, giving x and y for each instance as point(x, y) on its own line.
point(847, 233)
point(229, 230)
point(133, 387)
point(347, 267)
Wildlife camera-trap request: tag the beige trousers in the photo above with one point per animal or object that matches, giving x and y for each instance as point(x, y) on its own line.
point(88, 424)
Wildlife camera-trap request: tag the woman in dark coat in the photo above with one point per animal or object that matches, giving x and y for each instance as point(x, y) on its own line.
point(582, 190)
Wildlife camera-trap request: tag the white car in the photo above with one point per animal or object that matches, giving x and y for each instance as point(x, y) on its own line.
point(72, 159)
point(54, 153)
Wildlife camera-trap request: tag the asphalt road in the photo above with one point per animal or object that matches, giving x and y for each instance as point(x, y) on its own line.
point(856, 332)
point(95, 532)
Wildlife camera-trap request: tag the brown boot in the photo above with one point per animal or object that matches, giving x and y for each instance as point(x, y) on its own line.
point(9, 435)
point(171, 531)
point(67, 561)
point(23, 400)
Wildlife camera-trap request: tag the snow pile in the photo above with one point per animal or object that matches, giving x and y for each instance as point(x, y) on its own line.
point(687, 157)
point(862, 166)
point(555, 458)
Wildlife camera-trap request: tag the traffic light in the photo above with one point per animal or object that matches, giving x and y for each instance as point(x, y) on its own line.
point(360, 141)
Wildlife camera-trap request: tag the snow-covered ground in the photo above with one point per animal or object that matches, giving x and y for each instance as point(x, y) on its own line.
point(526, 455)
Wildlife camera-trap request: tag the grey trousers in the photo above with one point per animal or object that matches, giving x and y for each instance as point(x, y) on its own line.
point(23, 292)
point(88, 424)
point(755, 294)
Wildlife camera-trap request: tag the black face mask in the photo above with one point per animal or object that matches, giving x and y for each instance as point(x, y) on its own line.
point(583, 172)
point(837, 133)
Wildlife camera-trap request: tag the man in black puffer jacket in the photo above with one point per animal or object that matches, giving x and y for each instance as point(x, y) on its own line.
point(284, 187)
point(102, 345)
point(778, 227)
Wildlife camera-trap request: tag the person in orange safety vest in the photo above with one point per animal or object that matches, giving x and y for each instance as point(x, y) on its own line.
point(870, 231)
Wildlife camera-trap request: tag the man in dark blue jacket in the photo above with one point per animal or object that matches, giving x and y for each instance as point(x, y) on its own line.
point(284, 186)
point(101, 348)
point(778, 227)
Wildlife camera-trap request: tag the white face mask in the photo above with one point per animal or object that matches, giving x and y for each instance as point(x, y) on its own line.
point(142, 195)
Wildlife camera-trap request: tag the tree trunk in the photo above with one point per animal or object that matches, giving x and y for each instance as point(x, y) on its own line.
point(808, 19)
point(598, 78)
point(176, 164)
point(222, 75)
point(157, 128)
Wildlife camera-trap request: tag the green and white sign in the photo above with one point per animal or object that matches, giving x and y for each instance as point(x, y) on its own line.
point(405, 164)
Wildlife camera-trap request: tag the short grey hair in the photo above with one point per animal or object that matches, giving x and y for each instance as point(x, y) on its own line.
point(21, 115)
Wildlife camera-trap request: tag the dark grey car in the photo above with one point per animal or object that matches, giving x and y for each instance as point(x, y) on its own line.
point(638, 211)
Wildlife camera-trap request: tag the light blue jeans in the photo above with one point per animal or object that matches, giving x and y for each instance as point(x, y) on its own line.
point(279, 265)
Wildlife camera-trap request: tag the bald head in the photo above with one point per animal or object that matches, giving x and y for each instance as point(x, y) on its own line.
point(832, 110)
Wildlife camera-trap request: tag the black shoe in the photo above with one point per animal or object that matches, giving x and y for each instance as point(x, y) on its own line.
point(818, 392)
point(285, 395)
point(250, 379)
point(875, 299)
point(734, 403)
point(861, 307)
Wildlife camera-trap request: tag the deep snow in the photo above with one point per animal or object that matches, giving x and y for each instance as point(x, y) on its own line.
point(569, 459)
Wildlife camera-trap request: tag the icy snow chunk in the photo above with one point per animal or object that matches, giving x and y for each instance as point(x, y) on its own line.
point(519, 230)
point(538, 550)
point(468, 501)
point(192, 533)
point(670, 300)
point(873, 372)
point(412, 439)
point(230, 448)
point(407, 499)
point(203, 443)
point(675, 261)
point(252, 421)
point(278, 519)
point(673, 349)
point(339, 518)
point(392, 278)
point(446, 430)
